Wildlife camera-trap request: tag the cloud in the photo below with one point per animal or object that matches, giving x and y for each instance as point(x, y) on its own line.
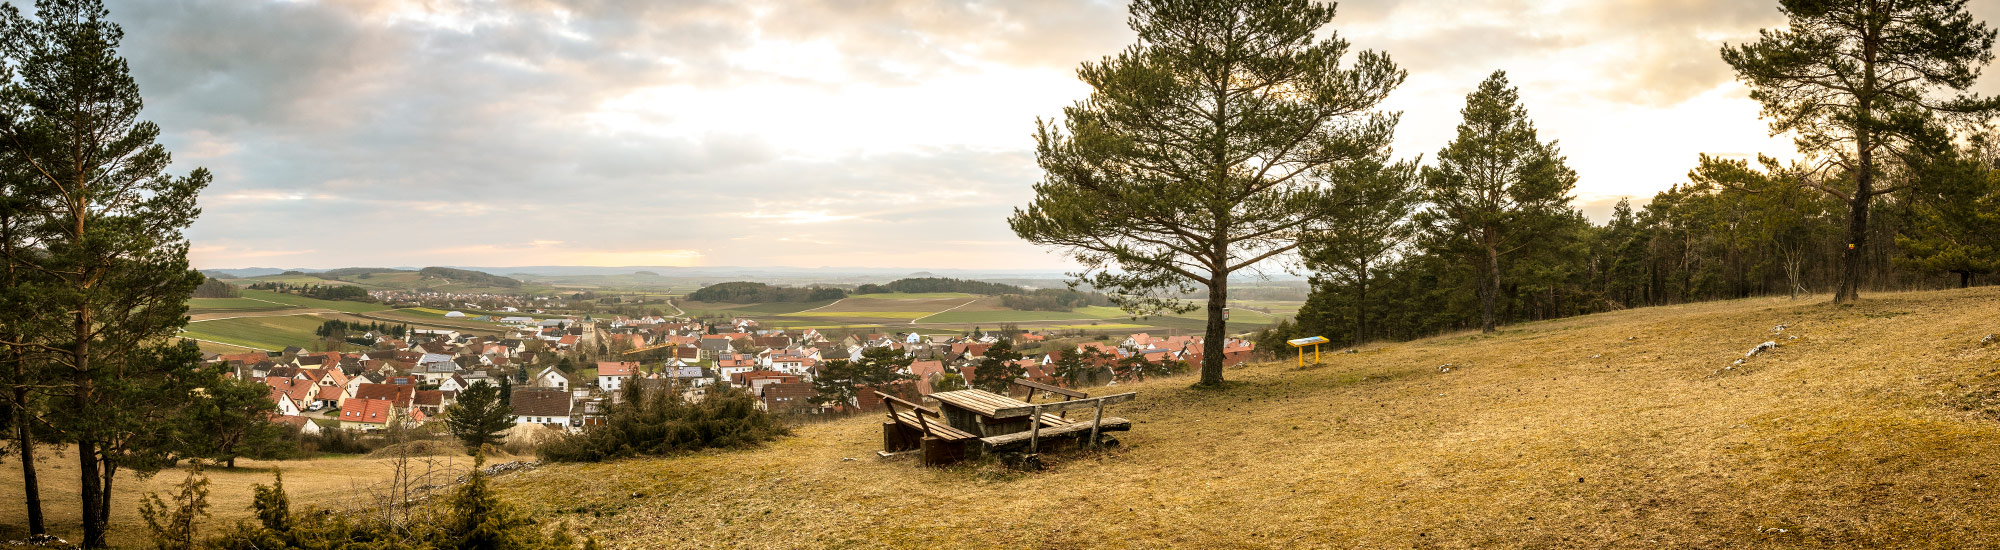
point(800, 132)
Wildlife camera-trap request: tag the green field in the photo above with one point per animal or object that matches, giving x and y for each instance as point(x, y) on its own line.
point(434, 318)
point(1003, 316)
point(301, 301)
point(1281, 308)
point(863, 314)
point(910, 296)
point(270, 333)
point(1100, 326)
point(228, 305)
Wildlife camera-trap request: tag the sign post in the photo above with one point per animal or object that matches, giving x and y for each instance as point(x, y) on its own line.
point(1301, 344)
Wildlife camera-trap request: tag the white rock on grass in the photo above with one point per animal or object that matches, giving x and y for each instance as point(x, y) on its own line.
point(1445, 367)
point(1778, 329)
point(1761, 348)
point(1990, 339)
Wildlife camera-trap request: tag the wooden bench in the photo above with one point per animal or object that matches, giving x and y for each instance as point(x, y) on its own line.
point(1050, 420)
point(910, 430)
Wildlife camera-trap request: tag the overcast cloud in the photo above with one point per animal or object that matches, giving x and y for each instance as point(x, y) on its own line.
point(799, 132)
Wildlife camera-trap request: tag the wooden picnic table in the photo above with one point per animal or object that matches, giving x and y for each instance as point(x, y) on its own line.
point(982, 412)
point(991, 422)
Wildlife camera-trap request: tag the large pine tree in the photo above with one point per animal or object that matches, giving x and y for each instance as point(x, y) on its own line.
point(1862, 84)
point(1496, 189)
point(1204, 149)
point(111, 262)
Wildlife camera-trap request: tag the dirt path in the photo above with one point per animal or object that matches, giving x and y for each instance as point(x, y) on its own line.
point(199, 317)
point(835, 302)
point(238, 346)
point(967, 303)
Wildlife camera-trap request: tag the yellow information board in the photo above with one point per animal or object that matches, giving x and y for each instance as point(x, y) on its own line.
point(1301, 344)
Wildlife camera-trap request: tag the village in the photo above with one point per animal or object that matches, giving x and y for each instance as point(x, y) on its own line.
point(555, 377)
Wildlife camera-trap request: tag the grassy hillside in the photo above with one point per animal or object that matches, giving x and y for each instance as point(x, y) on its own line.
point(1879, 426)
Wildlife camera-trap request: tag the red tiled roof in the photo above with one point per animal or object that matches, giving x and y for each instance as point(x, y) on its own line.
point(615, 368)
point(371, 411)
point(926, 368)
point(400, 394)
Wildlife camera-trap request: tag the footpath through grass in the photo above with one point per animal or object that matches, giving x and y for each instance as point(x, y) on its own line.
point(1875, 427)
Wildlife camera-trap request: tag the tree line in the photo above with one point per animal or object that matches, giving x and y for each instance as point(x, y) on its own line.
point(323, 292)
point(939, 284)
point(745, 292)
point(212, 288)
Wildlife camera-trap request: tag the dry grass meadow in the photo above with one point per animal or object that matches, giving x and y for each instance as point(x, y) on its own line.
point(1879, 426)
point(340, 481)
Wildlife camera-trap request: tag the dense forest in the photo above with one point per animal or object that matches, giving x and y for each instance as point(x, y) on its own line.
point(744, 292)
point(323, 292)
point(1053, 299)
point(212, 288)
point(939, 284)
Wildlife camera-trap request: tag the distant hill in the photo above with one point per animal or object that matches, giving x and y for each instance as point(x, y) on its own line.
point(469, 277)
point(358, 271)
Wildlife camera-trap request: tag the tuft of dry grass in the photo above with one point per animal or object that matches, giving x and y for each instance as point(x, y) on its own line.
point(1625, 429)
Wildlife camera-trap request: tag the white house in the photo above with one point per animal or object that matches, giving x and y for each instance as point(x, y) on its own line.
point(611, 375)
point(551, 377)
point(541, 406)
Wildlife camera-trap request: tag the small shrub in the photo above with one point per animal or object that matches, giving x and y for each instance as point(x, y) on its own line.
point(660, 422)
point(173, 525)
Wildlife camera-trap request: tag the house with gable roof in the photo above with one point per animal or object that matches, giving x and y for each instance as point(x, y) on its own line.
point(368, 415)
point(612, 375)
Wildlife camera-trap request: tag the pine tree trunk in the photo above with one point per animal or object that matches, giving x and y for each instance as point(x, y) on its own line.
point(1849, 289)
point(29, 484)
point(86, 462)
point(1361, 308)
point(1211, 346)
point(1489, 298)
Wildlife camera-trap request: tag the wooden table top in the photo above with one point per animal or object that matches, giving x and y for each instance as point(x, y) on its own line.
point(985, 403)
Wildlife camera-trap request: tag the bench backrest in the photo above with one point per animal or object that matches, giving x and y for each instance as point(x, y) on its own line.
point(1034, 386)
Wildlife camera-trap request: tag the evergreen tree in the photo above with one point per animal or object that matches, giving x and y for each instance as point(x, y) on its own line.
point(480, 417)
point(1204, 149)
point(998, 368)
point(233, 420)
point(1367, 232)
point(23, 381)
point(1953, 219)
point(112, 262)
point(1496, 189)
point(842, 382)
point(1858, 82)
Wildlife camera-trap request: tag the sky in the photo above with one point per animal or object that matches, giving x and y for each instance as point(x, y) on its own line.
point(806, 133)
